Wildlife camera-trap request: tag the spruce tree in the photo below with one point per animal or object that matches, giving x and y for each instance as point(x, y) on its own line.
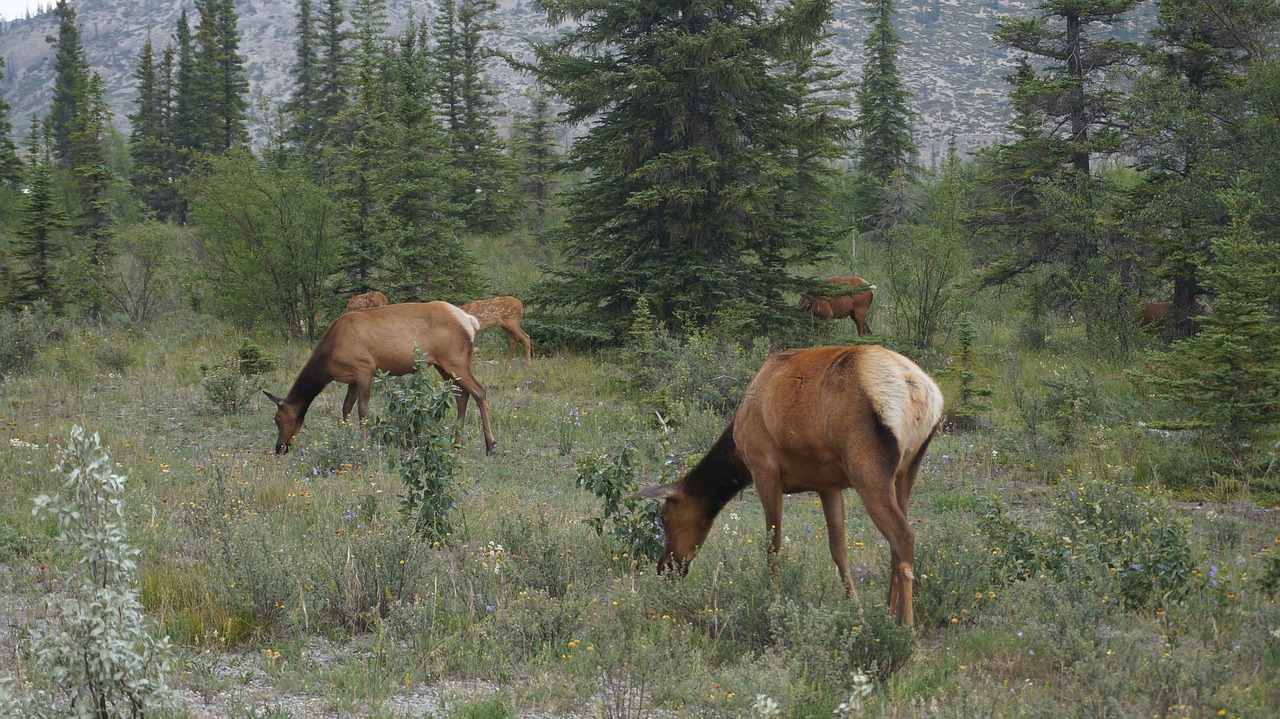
point(885, 145)
point(428, 259)
point(187, 99)
point(358, 153)
point(533, 146)
point(147, 135)
point(304, 125)
point(689, 204)
point(94, 180)
point(71, 77)
point(1180, 128)
point(1043, 197)
point(333, 63)
point(220, 83)
point(40, 238)
point(1077, 103)
point(10, 163)
point(483, 171)
point(1225, 380)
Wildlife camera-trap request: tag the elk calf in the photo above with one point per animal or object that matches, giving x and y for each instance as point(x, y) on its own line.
point(367, 300)
point(504, 312)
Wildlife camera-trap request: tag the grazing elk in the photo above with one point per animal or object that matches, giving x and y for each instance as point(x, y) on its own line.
point(366, 300)
point(817, 420)
point(385, 338)
point(503, 312)
point(849, 305)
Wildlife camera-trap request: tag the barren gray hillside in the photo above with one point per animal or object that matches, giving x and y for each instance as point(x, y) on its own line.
point(948, 62)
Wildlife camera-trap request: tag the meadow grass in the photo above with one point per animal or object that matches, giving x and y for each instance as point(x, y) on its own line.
point(253, 556)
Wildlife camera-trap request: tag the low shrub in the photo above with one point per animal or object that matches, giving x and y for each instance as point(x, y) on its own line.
point(416, 428)
point(24, 333)
point(632, 523)
point(1099, 522)
point(678, 376)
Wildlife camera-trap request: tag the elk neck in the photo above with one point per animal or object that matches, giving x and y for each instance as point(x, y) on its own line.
point(720, 476)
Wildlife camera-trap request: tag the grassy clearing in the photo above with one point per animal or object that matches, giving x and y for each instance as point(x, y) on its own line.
point(253, 556)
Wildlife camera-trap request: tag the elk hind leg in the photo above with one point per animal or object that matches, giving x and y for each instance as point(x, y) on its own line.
point(880, 499)
point(833, 511)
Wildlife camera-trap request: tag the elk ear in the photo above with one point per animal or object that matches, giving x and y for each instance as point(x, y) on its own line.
point(660, 491)
point(273, 398)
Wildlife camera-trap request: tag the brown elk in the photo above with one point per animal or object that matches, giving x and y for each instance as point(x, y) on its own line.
point(1158, 313)
point(504, 312)
point(817, 420)
point(385, 338)
point(366, 300)
point(834, 308)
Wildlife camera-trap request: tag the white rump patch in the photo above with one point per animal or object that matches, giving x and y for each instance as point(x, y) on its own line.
point(471, 324)
point(907, 400)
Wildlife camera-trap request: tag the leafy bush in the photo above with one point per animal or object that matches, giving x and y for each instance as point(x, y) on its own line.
point(253, 360)
point(832, 641)
point(415, 426)
point(679, 375)
point(98, 652)
point(1097, 522)
point(225, 390)
point(612, 477)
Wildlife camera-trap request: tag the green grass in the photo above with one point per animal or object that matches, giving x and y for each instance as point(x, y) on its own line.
point(251, 556)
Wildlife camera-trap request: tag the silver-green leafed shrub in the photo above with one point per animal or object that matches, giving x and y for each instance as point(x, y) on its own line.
point(97, 649)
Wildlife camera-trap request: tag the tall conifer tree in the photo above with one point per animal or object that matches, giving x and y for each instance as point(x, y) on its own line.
point(886, 148)
point(332, 59)
point(147, 135)
point(38, 245)
point(533, 145)
point(691, 202)
point(304, 125)
point(71, 77)
point(10, 163)
point(483, 171)
point(1179, 125)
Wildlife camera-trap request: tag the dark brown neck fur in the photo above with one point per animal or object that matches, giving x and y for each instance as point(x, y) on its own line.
point(311, 380)
point(720, 476)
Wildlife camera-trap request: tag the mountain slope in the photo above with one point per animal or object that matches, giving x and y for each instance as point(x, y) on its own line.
point(948, 61)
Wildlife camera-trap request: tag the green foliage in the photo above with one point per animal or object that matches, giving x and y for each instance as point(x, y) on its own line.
point(99, 651)
point(1098, 522)
point(678, 376)
point(253, 360)
point(225, 389)
point(23, 333)
point(144, 277)
point(971, 401)
point(494, 707)
point(270, 241)
point(1225, 380)
point(226, 383)
point(415, 426)
point(957, 581)
point(632, 523)
point(885, 116)
point(845, 638)
point(701, 212)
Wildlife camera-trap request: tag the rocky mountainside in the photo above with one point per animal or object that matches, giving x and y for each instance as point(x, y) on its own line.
point(948, 61)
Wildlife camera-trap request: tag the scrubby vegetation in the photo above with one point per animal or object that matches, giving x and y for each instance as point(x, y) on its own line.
point(1059, 565)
